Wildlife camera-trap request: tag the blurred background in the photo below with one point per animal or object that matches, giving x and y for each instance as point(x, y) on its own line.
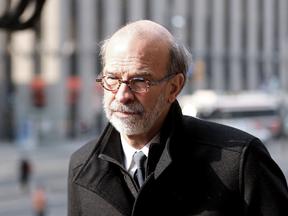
point(50, 104)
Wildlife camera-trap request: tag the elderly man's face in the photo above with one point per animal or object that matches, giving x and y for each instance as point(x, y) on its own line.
point(129, 112)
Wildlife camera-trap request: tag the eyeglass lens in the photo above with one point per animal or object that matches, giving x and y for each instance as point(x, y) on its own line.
point(136, 84)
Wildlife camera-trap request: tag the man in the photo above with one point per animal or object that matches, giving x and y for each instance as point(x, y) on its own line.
point(186, 166)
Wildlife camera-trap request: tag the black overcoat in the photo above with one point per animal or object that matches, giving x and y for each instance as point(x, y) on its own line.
point(200, 168)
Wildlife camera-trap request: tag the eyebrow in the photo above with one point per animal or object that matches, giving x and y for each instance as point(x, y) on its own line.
point(146, 73)
point(137, 74)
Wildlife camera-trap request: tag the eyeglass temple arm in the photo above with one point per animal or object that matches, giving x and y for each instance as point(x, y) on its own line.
point(99, 80)
point(160, 81)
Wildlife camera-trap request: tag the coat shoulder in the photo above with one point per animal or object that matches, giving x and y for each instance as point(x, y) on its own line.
point(80, 155)
point(217, 135)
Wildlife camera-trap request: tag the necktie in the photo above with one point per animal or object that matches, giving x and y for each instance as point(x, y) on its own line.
point(139, 158)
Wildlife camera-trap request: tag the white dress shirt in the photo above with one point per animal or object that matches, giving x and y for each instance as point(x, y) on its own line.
point(129, 151)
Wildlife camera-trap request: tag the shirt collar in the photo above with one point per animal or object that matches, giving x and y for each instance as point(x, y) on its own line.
point(129, 150)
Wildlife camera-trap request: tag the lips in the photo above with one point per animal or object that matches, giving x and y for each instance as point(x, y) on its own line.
point(123, 115)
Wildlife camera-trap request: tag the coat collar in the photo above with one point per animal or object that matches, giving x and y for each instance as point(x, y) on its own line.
point(169, 133)
point(98, 173)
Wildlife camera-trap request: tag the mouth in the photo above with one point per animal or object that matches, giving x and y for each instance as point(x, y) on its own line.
point(122, 114)
point(123, 111)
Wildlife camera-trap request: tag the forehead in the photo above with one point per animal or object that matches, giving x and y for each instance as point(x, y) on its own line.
point(131, 56)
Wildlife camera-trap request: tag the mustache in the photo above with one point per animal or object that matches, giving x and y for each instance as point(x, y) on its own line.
point(132, 107)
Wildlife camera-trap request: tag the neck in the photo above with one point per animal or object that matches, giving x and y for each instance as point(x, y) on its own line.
point(138, 141)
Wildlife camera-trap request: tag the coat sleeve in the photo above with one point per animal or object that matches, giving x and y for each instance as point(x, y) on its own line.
point(263, 184)
point(73, 202)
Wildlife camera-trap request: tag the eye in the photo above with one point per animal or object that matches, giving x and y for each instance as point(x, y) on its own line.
point(138, 84)
point(108, 77)
point(110, 82)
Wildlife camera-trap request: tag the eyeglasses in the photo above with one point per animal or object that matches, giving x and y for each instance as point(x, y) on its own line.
point(136, 84)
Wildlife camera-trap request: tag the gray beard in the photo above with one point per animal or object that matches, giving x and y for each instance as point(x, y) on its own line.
point(134, 125)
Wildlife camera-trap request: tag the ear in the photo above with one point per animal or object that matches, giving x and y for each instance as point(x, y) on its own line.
point(174, 87)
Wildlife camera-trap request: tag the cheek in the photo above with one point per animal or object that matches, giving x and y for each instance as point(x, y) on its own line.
point(148, 102)
point(108, 98)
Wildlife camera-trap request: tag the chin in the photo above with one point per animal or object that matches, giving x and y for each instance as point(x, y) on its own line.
point(130, 126)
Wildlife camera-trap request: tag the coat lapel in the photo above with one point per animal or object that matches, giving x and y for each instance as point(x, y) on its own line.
point(167, 134)
point(101, 173)
point(164, 162)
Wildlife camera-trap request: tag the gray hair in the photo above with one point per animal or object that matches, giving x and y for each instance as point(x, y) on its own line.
point(103, 46)
point(180, 59)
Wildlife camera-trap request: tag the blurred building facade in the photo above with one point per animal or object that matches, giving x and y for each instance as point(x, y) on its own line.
point(47, 73)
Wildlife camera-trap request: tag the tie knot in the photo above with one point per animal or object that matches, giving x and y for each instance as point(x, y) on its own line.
point(139, 158)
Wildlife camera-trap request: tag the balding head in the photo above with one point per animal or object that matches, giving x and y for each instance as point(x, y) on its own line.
point(157, 36)
point(145, 29)
point(142, 30)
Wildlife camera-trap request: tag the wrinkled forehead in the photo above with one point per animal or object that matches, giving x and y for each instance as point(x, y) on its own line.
point(145, 45)
point(137, 46)
point(136, 54)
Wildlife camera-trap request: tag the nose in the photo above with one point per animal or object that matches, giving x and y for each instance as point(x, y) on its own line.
point(124, 94)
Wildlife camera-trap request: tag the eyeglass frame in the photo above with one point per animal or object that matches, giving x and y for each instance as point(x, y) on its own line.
point(149, 84)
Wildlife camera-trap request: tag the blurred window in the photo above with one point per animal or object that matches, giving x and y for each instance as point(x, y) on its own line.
point(227, 114)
